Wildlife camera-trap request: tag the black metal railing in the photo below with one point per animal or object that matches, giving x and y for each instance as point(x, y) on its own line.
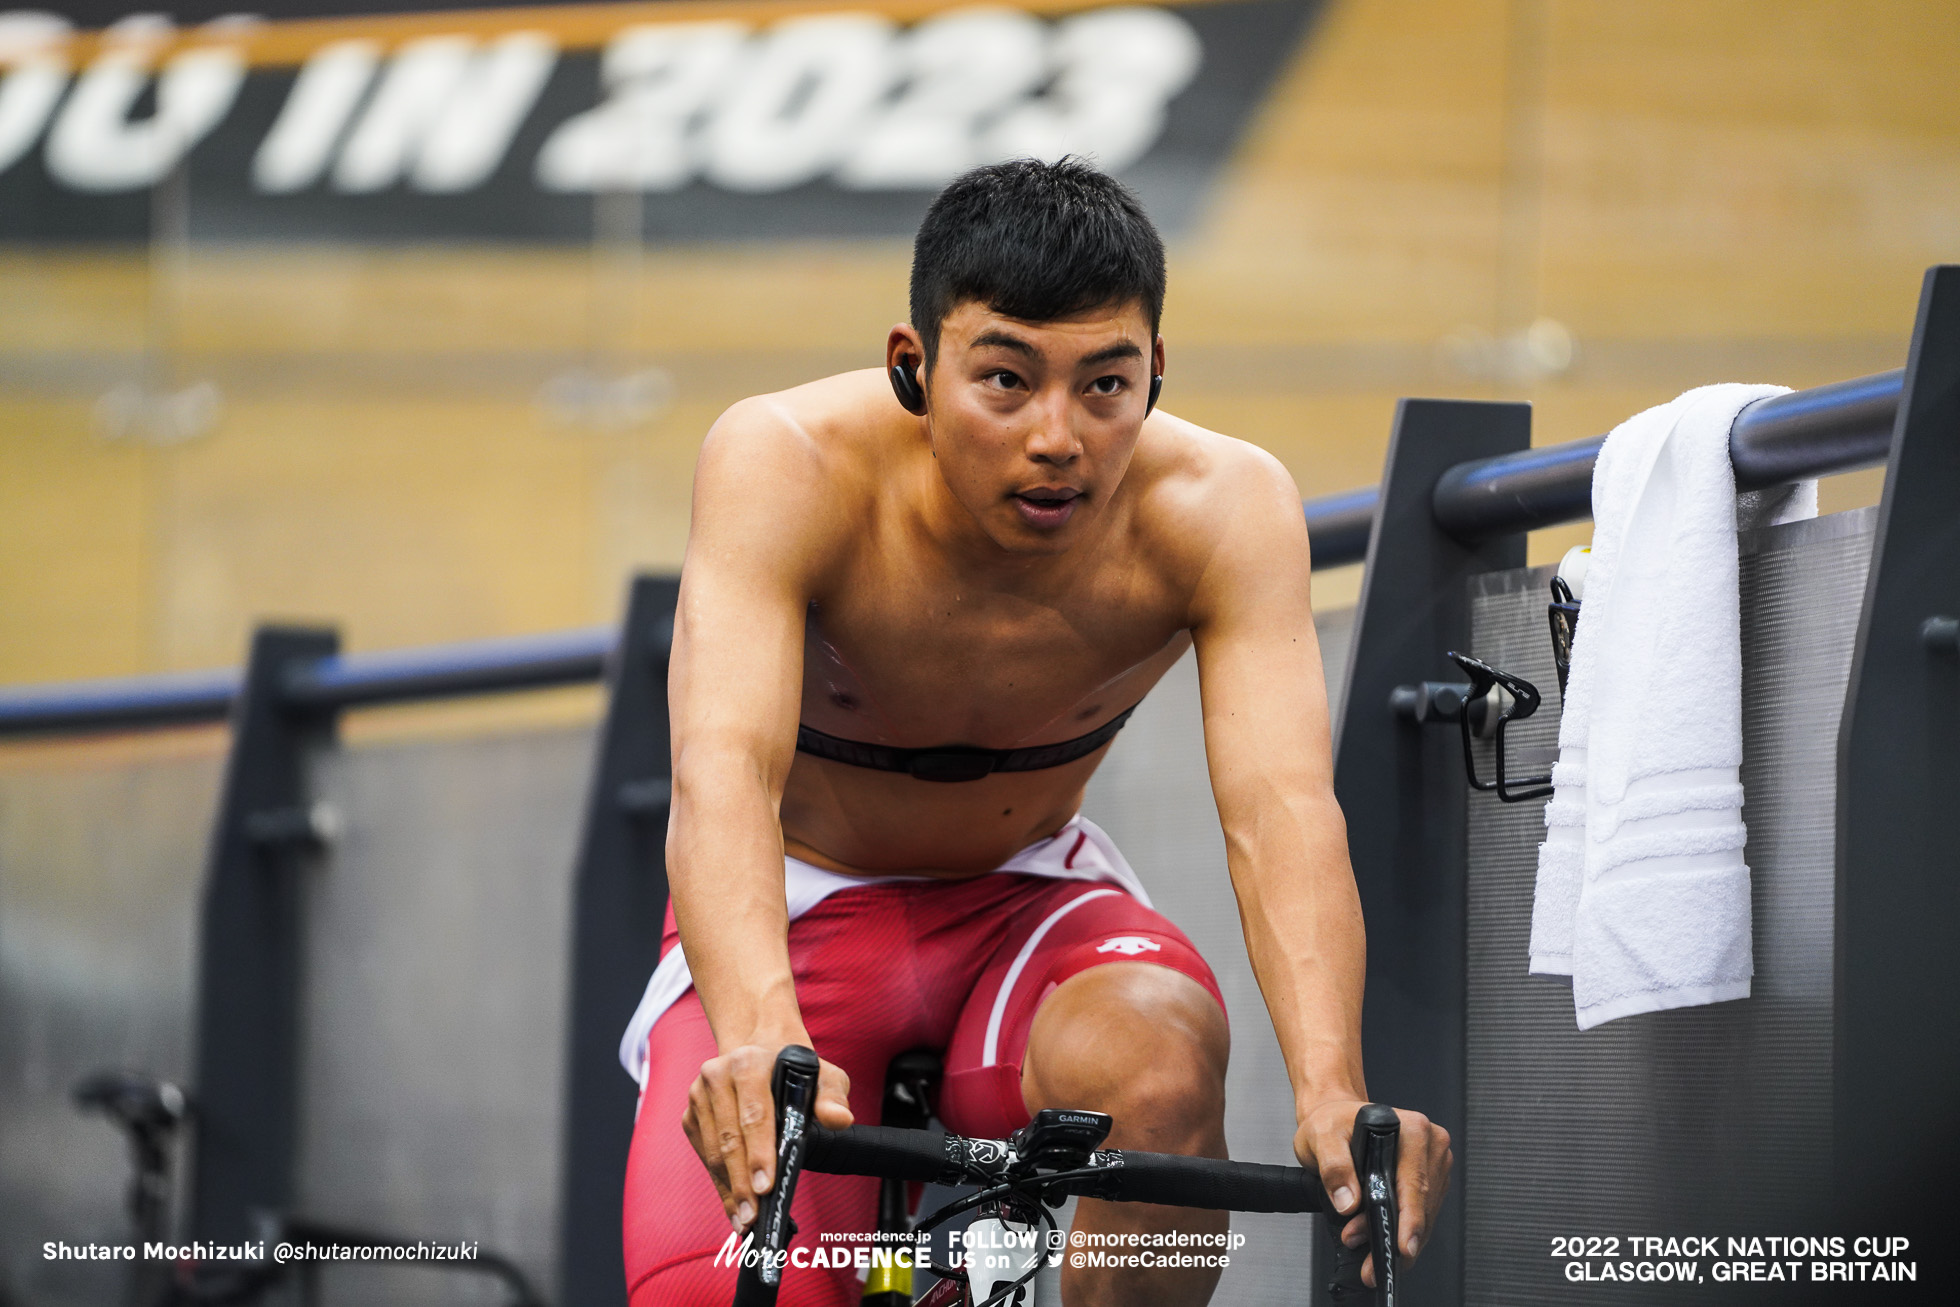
point(1806, 433)
point(1338, 525)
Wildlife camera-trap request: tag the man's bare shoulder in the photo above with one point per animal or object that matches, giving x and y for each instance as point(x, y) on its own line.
point(1197, 486)
point(786, 475)
point(828, 424)
point(812, 442)
point(1222, 517)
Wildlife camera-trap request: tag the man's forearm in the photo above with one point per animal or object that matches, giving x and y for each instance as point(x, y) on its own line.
point(725, 871)
point(1304, 935)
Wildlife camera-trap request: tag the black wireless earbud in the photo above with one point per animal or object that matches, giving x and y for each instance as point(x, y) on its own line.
point(1156, 389)
point(905, 385)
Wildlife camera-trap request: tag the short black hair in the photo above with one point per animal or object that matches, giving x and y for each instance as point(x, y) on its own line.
point(1037, 241)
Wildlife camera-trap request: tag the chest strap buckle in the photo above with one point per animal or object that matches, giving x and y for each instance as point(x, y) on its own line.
point(955, 764)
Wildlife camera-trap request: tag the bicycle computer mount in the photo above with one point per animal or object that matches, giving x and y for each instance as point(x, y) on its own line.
point(1059, 1139)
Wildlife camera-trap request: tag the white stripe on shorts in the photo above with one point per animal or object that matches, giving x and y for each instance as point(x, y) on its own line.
point(987, 1054)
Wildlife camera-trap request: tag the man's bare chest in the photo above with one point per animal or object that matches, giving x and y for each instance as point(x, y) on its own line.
point(912, 667)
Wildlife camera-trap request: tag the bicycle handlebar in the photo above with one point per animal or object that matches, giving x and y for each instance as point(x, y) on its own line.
point(1207, 1182)
point(936, 1157)
point(921, 1156)
point(1374, 1146)
point(794, 1089)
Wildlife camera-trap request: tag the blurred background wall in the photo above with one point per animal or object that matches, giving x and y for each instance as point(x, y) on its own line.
point(458, 418)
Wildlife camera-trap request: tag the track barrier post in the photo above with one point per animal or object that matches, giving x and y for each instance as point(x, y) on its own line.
point(1402, 789)
point(1898, 810)
point(619, 905)
point(249, 964)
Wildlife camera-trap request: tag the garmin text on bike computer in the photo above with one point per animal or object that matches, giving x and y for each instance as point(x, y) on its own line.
point(1059, 1139)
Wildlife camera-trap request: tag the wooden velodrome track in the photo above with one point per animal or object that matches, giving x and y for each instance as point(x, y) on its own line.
point(1697, 190)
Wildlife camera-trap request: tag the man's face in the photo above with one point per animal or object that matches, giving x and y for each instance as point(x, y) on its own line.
point(1033, 423)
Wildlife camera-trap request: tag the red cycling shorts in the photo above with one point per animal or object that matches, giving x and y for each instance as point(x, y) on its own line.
point(959, 966)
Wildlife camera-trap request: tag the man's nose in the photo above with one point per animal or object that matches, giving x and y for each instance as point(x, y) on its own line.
point(1052, 439)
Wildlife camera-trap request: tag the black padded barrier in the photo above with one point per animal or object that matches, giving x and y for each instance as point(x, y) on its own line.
point(268, 831)
point(619, 906)
point(1712, 1119)
point(1897, 1080)
point(1401, 787)
point(249, 951)
point(1898, 872)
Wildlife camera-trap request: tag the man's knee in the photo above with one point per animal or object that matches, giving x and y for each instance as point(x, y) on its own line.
point(1144, 1043)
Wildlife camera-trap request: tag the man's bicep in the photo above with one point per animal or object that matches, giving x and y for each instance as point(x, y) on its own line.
point(1263, 685)
point(753, 546)
point(734, 678)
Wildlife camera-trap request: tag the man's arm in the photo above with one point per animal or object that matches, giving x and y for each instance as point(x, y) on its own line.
point(756, 545)
point(1269, 747)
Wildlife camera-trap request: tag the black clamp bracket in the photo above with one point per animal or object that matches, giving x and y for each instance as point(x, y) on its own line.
point(1429, 701)
point(1524, 700)
point(647, 797)
point(298, 826)
point(1492, 699)
point(1480, 708)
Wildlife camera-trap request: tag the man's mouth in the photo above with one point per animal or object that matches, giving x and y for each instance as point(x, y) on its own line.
point(1047, 507)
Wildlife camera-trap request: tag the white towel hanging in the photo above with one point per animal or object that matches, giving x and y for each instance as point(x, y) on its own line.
point(1642, 894)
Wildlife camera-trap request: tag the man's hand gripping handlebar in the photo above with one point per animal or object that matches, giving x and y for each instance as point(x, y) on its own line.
point(932, 1156)
point(1373, 1146)
point(794, 1089)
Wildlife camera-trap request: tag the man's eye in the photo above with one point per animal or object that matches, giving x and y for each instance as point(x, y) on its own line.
point(1107, 385)
point(1005, 380)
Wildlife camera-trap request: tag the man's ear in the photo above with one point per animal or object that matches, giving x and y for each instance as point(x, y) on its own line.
point(904, 355)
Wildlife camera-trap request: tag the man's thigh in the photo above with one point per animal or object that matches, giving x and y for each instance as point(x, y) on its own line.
point(674, 1221)
point(1065, 929)
point(877, 972)
point(958, 966)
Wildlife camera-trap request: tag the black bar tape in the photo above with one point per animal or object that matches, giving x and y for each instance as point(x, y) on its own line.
point(884, 1152)
point(1206, 1182)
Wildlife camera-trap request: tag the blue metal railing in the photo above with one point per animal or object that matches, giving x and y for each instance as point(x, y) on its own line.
point(123, 703)
point(525, 662)
point(342, 681)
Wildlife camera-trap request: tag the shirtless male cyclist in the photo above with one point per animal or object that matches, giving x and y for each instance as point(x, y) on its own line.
point(917, 605)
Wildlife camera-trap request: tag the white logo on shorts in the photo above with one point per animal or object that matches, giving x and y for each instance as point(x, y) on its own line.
point(1130, 945)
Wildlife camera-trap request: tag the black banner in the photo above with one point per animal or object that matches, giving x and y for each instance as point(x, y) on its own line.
point(725, 123)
